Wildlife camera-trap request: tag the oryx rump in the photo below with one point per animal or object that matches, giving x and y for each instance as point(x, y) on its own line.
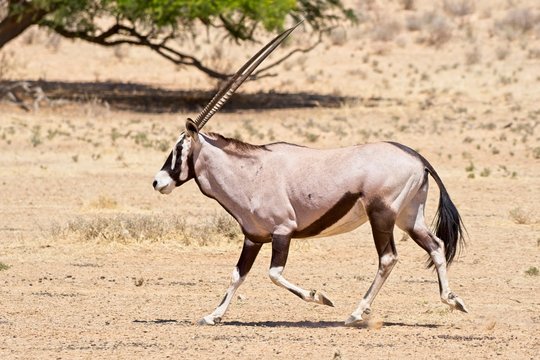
point(282, 191)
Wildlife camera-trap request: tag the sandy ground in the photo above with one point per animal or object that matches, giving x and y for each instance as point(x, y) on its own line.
point(63, 297)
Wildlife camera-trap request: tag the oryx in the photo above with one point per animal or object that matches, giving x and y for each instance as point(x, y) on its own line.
point(281, 191)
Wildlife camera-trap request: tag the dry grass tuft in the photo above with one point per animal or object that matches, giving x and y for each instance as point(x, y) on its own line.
point(7, 64)
point(129, 229)
point(386, 30)
point(436, 29)
point(458, 8)
point(407, 4)
point(338, 36)
point(473, 56)
point(532, 271)
point(516, 22)
point(519, 216)
point(104, 202)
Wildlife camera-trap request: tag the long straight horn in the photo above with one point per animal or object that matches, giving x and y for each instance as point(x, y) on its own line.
point(241, 75)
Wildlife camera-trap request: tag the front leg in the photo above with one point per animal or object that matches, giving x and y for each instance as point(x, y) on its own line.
point(250, 250)
point(280, 252)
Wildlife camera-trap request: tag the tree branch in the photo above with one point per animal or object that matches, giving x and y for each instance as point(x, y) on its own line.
point(131, 36)
point(17, 21)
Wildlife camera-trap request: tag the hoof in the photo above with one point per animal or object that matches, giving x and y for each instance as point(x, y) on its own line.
point(320, 298)
point(208, 320)
point(456, 303)
point(460, 305)
point(356, 321)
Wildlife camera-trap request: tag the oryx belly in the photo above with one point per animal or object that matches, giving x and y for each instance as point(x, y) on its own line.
point(353, 219)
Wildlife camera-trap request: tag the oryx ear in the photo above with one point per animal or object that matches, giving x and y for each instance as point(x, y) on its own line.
point(192, 130)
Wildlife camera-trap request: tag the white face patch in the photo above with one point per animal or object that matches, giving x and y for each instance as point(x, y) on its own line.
point(174, 152)
point(184, 168)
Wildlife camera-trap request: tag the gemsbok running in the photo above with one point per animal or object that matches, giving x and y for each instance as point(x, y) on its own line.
point(281, 191)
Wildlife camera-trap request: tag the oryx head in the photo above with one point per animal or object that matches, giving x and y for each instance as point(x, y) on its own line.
point(178, 167)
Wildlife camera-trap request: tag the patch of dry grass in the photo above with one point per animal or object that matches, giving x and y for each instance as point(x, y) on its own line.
point(520, 216)
point(516, 22)
point(104, 202)
point(129, 229)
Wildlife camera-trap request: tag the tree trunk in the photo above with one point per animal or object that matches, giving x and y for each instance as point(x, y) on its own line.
point(16, 23)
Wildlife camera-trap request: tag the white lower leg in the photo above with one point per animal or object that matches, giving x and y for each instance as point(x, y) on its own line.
point(314, 296)
point(447, 296)
point(218, 313)
point(363, 310)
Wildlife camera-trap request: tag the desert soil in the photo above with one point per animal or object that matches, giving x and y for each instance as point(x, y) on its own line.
point(474, 115)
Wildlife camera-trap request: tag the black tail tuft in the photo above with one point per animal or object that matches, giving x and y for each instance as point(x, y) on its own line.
point(448, 226)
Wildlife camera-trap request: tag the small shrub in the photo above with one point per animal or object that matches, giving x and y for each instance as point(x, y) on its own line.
point(536, 152)
point(104, 202)
point(338, 36)
point(4, 266)
point(532, 271)
point(485, 173)
point(458, 8)
point(517, 21)
point(35, 139)
point(502, 53)
point(311, 137)
point(53, 42)
point(386, 30)
point(534, 53)
point(519, 216)
point(438, 29)
point(7, 64)
point(120, 52)
point(413, 23)
point(407, 4)
point(473, 57)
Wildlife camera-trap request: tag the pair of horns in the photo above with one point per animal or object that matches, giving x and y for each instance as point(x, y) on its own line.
point(238, 78)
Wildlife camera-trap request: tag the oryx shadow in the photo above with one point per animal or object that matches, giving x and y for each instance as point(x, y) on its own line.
point(305, 324)
point(321, 324)
point(162, 321)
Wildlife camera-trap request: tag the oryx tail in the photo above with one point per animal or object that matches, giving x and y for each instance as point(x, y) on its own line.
point(448, 224)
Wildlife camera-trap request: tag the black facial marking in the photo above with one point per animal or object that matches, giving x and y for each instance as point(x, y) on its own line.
point(175, 173)
point(332, 216)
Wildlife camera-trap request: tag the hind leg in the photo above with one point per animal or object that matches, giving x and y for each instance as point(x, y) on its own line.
point(382, 224)
point(412, 221)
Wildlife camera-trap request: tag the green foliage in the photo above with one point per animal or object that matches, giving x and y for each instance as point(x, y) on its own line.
point(155, 23)
point(238, 17)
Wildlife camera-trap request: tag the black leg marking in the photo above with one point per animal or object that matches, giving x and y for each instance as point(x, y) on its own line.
point(250, 250)
point(296, 293)
point(222, 301)
point(280, 250)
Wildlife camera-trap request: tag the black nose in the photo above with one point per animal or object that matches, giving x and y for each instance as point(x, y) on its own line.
point(154, 184)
